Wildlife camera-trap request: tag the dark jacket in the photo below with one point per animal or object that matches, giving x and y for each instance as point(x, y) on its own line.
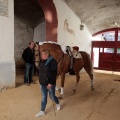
point(48, 72)
point(28, 56)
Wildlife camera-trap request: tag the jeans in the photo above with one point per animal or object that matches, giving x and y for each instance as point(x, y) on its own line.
point(29, 69)
point(45, 91)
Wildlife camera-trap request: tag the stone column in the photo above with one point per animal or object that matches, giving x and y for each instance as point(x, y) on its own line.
point(7, 63)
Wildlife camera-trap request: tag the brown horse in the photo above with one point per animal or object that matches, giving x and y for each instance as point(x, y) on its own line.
point(63, 60)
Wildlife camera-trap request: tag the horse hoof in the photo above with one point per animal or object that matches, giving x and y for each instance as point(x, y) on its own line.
point(92, 89)
point(60, 97)
point(74, 91)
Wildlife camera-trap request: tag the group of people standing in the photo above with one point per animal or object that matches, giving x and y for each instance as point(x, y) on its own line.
point(47, 75)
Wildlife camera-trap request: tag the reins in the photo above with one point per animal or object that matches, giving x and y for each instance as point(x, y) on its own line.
point(38, 55)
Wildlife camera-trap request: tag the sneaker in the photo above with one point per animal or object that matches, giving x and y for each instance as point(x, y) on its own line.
point(40, 114)
point(58, 106)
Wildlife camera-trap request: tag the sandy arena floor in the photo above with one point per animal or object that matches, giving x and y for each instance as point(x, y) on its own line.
point(23, 102)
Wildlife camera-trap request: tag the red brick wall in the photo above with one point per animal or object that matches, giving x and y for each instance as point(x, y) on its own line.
point(51, 19)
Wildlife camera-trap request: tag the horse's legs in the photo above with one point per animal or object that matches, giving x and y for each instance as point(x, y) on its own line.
point(57, 88)
point(62, 85)
point(77, 81)
point(90, 73)
point(92, 81)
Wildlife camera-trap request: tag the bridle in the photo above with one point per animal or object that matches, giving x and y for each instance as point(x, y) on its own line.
point(38, 54)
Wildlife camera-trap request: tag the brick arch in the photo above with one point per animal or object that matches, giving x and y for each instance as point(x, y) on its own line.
point(50, 18)
point(106, 30)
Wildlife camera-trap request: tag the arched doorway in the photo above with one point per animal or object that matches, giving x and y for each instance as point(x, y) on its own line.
point(106, 49)
point(33, 20)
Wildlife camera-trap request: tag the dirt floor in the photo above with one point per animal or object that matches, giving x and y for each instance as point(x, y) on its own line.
point(23, 102)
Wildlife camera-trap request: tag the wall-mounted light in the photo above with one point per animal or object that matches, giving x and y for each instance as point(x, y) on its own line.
point(81, 26)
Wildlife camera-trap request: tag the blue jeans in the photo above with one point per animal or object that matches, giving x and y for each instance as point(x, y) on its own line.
point(45, 91)
point(29, 69)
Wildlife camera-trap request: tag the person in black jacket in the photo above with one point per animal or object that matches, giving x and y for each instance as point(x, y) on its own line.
point(28, 57)
point(47, 80)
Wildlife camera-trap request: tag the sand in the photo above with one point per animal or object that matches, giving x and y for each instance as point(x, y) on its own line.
point(23, 102)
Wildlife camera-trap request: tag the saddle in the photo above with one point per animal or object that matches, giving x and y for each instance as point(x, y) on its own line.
point(73, 53)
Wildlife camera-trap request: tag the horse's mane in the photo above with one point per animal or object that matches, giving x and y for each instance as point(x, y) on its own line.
point(63, 47)
point(51, 42)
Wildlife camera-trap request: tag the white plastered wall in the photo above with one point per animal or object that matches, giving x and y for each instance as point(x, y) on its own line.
point(40, 32)
point(7, 63)
point(69, 32)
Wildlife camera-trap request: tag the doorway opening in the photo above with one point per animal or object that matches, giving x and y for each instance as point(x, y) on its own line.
point(106, 50)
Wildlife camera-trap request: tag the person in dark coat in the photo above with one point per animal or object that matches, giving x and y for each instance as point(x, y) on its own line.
point(47, 80)
point(28, 57)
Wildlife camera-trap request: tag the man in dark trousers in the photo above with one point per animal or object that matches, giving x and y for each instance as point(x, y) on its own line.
point(28, 57)
point(47, 80)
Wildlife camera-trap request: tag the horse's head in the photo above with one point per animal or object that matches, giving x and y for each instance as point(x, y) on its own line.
point(55, 51)
point(37, 54)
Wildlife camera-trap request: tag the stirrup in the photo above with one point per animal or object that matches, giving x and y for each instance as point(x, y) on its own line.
point(72, 72)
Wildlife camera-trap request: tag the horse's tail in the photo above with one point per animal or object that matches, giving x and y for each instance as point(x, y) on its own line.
point(88, 64)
